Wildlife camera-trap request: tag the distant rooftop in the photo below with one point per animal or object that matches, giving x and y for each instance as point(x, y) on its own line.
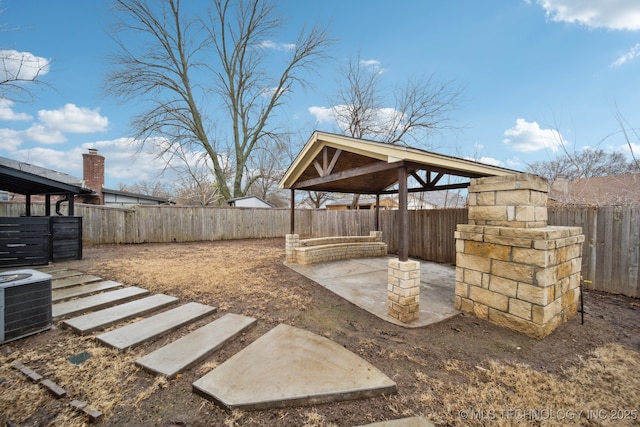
point(25, 178)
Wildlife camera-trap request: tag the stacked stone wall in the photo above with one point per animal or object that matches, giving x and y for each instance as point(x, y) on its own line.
point(524, 279)
point(325, 249)
point(511, 268)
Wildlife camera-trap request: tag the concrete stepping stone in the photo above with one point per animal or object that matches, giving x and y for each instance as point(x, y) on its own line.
point(96, 302)
point(106, 317)
point(288, 366)
point(74, 281)
point(136, 333)
point(183, 353)
point(83, 290)
point(62, 274)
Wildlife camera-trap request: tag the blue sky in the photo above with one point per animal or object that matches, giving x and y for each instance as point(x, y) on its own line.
point(533, 73)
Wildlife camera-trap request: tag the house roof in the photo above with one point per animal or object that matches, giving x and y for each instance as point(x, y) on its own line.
point(24, 178)
point(235, 199)
point(135, 195)
point(598, 191)
point(336, 163)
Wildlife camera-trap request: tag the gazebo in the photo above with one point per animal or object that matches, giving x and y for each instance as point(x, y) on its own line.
point(30, 240)
point(336, 163)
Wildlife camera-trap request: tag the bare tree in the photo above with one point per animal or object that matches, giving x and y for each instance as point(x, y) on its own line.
point(586, 163)
point(420, 107)
point(186, 70)
point(628, 131)
point(17, 70)
point(155, 188)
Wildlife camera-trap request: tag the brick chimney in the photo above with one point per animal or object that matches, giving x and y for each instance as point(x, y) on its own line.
point(93, 174)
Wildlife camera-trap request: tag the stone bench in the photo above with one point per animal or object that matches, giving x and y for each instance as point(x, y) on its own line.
point(325, 249)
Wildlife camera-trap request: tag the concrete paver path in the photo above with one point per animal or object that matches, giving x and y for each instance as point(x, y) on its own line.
point(136, 333)
point(77, 291)
point(190, 349)
point(104, 318)
point(73, 281)
point(288, 366)
point(96, 302)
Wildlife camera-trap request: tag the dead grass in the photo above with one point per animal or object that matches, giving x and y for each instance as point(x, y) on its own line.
point(102, 381)
point(217, 273)
point(608, 380)
point(246, 277)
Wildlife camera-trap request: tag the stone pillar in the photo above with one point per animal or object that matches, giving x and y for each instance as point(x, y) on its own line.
point(377, 235)
point(292, 241)
point(511, 268)
point(403, 290)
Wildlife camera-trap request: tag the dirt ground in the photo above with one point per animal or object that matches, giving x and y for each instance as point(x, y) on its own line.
point(462, 371)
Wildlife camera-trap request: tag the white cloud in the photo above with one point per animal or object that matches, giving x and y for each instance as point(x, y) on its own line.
point(379, 120)
point(374, 64)
point(49, 158)
point(269, 44)
point(22, 65)
point(486, 160)
point(528, 137)
point(611, 14)
point(624, 148)
point(323, 114)
point(7, 113)
point(514, 163)
point(43, 135)
point(74, 119)
point(370, 63)
point(489, 161)
point(9, 139)
point(630, 55)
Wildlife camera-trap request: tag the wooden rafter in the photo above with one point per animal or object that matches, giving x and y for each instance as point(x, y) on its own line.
point(326, 168)
point(351, 173)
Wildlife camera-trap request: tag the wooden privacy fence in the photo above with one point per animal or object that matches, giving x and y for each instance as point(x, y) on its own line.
point(611, 255)
point(611, 250)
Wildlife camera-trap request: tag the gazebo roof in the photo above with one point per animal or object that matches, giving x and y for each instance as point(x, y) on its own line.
point(24, 178)
point(336, 163)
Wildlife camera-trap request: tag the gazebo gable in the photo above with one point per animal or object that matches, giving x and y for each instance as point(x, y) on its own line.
point(336, 163)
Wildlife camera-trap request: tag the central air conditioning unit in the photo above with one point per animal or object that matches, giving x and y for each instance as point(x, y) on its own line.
point(25, 304)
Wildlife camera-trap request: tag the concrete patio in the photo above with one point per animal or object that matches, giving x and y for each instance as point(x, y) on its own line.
point(363, 282)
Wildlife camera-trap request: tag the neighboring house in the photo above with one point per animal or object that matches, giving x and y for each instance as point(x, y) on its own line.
point(596, 191)
point(125, 198)
point(419, 201)
point(249, 202)
point(91, 190)
point(365, 202)
point(93, 174)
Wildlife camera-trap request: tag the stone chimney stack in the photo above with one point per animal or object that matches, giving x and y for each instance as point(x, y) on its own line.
point(93, 172)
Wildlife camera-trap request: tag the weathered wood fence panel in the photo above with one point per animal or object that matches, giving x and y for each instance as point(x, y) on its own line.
point(611, 254)
point(611, 251)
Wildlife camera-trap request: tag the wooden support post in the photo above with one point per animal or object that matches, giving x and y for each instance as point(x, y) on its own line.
point(403, 213)
point(70, 196)
point(293, 211)
point(27, 208)
point(377, 220)
point(47, 205)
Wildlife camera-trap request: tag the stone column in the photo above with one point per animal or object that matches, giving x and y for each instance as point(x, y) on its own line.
point(511, 268)
point(292, 241)
point(403, 290)
point(377, 235)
